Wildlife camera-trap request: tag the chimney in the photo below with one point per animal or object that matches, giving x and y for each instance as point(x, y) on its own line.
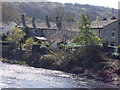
point(113, 18)
point(47, 22)
point(104, 19)
point(23, 21)
point(33, 23)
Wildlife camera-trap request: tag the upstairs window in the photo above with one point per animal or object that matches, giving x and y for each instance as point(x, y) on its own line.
point(113, 34)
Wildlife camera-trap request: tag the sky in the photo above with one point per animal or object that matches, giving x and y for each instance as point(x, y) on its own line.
point(105, 3)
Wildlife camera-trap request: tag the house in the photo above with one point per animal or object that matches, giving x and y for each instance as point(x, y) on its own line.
point(8, 28)
point(108, 30)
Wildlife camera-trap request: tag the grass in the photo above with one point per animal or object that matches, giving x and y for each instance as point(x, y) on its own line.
point(13, 61)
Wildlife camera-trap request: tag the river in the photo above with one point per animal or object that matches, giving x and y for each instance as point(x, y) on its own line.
point(18, 76)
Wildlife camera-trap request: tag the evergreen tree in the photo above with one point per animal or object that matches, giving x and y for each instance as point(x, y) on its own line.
point(86, 36)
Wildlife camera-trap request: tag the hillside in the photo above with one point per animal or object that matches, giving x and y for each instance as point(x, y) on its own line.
point(40, 10)
point(7, 14)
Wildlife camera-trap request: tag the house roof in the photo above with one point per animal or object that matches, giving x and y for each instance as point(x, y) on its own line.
point(101, 24)
point(8, 27)
point(40, 38)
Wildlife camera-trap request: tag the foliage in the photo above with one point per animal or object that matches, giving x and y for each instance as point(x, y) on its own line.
point(105, 44)
point(119, 49)
point(97, 18)
point(27, 33)
point(48, 61)
point(86, 36)
point(4, 37)
point(83, 57)
point(13, 61)
point(28, 43)
point(8, 14)
point(15, 35)
point(47, 9)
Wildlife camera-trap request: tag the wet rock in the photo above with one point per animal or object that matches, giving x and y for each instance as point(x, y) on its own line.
point(104, 76)
point(118, 71)
point(90, 76)
point(77, 70)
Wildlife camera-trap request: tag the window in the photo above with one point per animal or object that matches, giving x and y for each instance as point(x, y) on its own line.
point(113, 34)
point(112, 44)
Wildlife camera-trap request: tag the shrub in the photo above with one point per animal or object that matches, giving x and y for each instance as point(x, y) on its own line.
point(119, 49)
point(28, 44)
point(115, 56)
point(47, 61)
point(85, 57)
point(15, 35)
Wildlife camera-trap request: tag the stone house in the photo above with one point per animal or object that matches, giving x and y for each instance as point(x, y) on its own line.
point(108, 30)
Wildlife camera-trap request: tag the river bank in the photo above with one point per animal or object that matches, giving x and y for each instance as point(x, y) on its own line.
point(104, 70)
point(88, 75)
point(20, 76)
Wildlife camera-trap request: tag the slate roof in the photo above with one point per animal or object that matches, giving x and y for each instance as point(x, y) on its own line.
point(8, 27)
point(101, 24)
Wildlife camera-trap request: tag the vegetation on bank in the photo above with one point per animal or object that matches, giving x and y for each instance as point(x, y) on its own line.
point(4, 60)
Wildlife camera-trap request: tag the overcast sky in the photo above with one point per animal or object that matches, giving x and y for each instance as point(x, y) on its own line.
point(106, 3)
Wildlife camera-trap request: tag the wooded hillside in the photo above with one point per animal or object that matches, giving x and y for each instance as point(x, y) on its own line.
point(39, 10)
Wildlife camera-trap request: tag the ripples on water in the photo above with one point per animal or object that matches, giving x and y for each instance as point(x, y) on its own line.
point(17, 76)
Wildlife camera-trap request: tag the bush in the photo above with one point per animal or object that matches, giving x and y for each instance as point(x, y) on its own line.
point(119, 49)
point(115, 56)
point(28, 44)
point(85, 57)
point(15, 35)
point(47, 61)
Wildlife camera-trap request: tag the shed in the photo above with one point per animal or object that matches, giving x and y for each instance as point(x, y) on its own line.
point(40, 38)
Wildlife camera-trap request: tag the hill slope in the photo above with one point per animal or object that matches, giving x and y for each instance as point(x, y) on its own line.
point(70, 11)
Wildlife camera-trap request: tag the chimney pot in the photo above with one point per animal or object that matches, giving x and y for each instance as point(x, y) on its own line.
point(113, 18)
point(104, 19)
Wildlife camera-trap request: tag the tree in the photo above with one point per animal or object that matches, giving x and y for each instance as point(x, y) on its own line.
point(86, 36)
point(3, 37)
point(15, 35)
point(28, 43)
point(27, 32)
point(97, 18)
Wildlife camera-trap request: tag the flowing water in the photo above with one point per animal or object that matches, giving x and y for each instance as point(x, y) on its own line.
point(18, 76)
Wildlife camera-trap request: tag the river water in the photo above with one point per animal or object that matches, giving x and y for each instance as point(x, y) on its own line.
point(18, 76)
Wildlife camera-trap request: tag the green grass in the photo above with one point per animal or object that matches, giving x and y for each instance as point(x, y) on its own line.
point(13, 61)
point(18, 62)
